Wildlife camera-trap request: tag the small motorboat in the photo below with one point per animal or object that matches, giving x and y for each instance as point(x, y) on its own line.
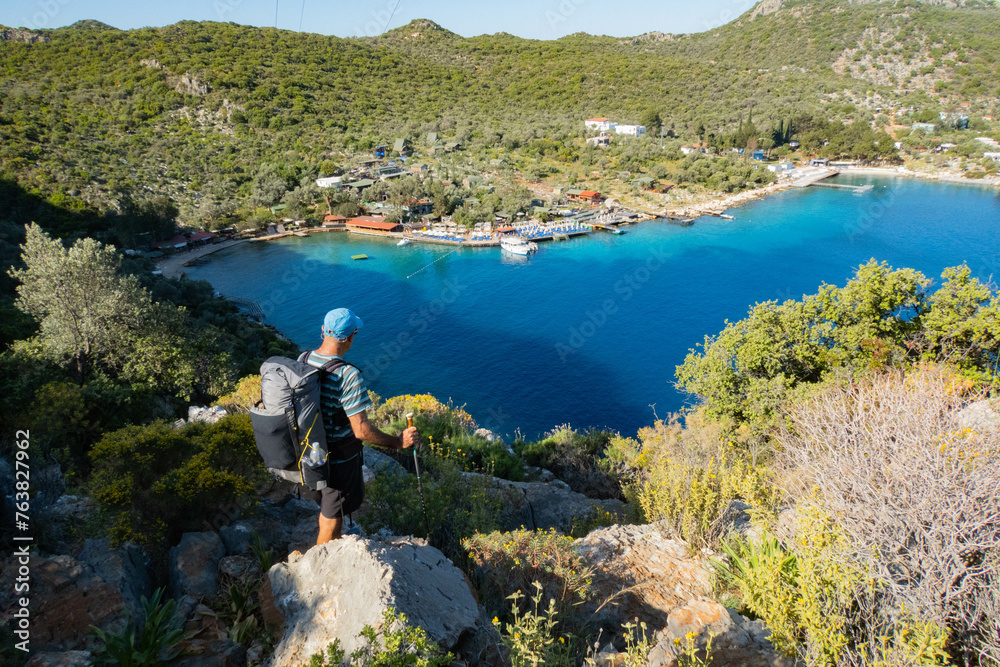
point(517, 245)
point(403, 242)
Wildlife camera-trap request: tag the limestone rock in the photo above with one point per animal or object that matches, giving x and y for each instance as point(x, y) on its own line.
point(735, 520)
point(237, 538)
point(335, 589)
point(537, 505)
point(62, 659)
point(644, 575)
point(735, 640)
point(68, 594)
point(124, 569)
point(382, 464)
point(206, 415)
point(239, 567)
point(982, 415)
point(194, 565)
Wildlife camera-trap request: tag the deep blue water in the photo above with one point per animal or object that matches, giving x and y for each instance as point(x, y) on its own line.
point(589, 331)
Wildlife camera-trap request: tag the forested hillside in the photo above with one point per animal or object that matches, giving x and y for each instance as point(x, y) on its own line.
point(134, 122)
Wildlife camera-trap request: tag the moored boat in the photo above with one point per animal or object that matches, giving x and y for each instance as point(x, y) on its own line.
point(517, 245)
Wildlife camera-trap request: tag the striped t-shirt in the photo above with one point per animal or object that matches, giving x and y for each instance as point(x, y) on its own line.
point(343, 388)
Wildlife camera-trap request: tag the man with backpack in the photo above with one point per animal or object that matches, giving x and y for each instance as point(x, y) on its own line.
point(344, 403)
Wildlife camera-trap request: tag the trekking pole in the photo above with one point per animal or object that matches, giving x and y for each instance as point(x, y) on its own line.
point(420, 487)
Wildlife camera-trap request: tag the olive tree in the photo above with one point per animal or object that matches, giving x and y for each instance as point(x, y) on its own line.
point(90, 314)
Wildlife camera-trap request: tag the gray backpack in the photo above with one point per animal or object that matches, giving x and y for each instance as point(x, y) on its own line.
point(288, 421)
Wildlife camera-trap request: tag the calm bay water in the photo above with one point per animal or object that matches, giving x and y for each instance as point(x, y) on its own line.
point(589, 331)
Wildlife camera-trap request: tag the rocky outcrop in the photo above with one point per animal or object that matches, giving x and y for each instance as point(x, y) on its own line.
point(541, 506)
point(982, 415)
point(69, 594)
point(60, 659)
point(640, 574)
point(283, 526)
point(735, 640)
point(21, 35)
point(194, 565)
point(334, 590)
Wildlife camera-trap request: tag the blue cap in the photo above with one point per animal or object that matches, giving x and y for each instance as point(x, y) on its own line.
point(341, 323)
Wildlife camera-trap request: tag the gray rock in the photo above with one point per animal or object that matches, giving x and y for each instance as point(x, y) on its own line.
point(640, 573)
point(735, 640)
point(541, 506)
point(69, 595)
point(237, 538)
point(382, 464)
point(334, 590)
point(256, 653)
point(194, 565)
point(239, 567)
point(735, 520)
point(124, 569)
point(206, 415)
point(71, 507)
point(982, 415)
point(60, 659)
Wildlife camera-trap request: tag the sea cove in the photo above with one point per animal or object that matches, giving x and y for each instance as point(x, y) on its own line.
point(590, 330)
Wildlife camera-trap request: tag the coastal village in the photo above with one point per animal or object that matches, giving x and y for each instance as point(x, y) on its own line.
point(551, 214)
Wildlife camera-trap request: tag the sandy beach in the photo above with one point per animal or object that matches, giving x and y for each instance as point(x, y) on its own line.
point(172, 266)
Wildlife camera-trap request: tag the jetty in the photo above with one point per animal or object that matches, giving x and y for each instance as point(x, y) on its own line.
point(858, 189)
point(812, 176)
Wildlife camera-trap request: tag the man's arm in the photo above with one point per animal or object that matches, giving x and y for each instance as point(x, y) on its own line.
point(366, 431)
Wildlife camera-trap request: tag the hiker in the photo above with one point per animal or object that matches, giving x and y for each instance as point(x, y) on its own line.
point(344, 403)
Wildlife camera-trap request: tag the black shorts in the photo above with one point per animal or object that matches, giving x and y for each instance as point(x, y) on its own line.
point(345, 490)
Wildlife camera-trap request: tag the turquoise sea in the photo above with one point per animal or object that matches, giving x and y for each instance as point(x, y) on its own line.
point(589, 331)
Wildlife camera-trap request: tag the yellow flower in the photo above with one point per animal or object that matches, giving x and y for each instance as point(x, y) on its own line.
point(496, 620)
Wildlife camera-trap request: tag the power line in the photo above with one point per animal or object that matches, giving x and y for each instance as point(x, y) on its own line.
point(301, 14)
point(275, 13)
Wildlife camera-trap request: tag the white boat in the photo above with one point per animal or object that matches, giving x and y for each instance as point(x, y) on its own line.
point(517, 245)
point(403, 242)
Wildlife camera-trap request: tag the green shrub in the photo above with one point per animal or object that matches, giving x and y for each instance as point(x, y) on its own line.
point(448, 433)
point(531, 638)
point(457, 505)
point(517, 560)
point(155, 643)
point(572, 455)
point(155, 482)
point(822, 608)
point(474, 453)
point(393, 644)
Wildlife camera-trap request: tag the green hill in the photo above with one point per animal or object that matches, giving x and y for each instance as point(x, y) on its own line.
point(101, 118)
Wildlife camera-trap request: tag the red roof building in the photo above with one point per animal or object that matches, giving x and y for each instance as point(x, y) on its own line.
point(372, 223)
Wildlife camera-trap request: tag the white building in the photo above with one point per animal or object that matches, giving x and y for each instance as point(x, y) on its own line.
point(601, 141)
point(329, 182)
point(631, 130)
point(602, 124)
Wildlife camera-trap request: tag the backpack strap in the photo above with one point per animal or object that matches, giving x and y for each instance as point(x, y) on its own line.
point(329, 366)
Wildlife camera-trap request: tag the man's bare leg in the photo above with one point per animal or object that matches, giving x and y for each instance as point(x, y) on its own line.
point(329, 529)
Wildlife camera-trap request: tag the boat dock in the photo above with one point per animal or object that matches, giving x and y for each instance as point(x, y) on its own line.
point(858, 189)
point(812, 176)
